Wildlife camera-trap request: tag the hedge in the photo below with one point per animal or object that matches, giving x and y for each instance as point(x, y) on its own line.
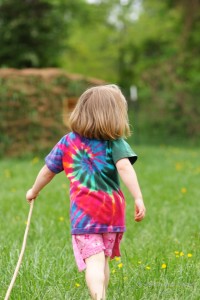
point(34, 107)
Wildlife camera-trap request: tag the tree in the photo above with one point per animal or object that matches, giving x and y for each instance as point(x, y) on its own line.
point(32, 31)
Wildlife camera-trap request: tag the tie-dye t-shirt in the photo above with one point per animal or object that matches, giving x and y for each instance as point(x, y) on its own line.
point(97, 204)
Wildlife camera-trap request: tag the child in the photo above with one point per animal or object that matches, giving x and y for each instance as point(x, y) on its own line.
point(92, 155)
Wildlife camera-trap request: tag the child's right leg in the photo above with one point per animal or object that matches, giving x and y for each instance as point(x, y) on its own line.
point(95, 275)
point(95, 250)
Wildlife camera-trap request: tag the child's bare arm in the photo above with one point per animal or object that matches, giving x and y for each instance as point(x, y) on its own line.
point(42, 179)
point(129, 177)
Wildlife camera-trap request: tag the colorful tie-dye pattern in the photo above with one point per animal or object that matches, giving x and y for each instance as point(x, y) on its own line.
point(97, 204)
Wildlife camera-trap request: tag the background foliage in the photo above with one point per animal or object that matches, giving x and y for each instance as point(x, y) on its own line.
point(35, 106)
point(152, 44)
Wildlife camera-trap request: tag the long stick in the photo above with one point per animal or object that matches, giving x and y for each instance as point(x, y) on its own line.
point(22, 252)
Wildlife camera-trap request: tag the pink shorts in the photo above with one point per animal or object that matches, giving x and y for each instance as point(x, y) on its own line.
point(86, 245)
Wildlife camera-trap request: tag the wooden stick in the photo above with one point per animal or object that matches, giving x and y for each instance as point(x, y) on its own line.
point(22, 252)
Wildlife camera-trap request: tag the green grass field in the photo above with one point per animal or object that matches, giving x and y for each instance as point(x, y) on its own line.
point(160, 256)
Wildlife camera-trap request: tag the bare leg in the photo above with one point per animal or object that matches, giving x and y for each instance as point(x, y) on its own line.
point(95, 277)
point(107, 272)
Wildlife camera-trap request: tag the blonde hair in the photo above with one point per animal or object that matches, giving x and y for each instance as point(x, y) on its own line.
point(101, 113)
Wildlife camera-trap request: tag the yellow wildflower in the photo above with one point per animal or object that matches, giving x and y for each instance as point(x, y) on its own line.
point(181, 254)
point(120, 265)
point(197, 170)
point(35, 160)
point(139, 262)
point(176, 252)
point(77, 284)
point(148, 268)
point(117, 258)
point(179, 166)
point(183, 190)
point(164, 266)
point(7, 173)
point(113, 271)
point(189, 255)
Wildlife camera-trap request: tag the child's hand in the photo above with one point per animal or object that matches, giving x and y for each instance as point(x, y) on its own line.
point(140, 210)
point(30, 195)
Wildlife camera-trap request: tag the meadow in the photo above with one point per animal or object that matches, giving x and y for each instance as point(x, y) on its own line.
point(160, 256)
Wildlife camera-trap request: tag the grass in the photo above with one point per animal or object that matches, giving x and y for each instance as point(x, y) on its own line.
point(149, 267)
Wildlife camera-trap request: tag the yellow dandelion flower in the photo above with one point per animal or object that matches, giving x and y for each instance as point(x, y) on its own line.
point(189, 255)
point(77, 284)
point(181, 253)
point(179, 166)
point(117, 258)
point(197, 170)
point(120, 265)
point(148, 268)
point(176, 252)
point(61, 219)
point(35, 160)
point(7, 173)
point(183, 190)
point(139, 262)
point(164, 266)
point(113, 271)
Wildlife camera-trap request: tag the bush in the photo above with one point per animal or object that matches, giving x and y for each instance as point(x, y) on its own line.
point(34, 108)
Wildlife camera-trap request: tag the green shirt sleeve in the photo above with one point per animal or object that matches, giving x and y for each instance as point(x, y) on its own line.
point(121, 149)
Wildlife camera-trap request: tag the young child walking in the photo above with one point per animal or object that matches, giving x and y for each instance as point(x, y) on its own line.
point(92, 155)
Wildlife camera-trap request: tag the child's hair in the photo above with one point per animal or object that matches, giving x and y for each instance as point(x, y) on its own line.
point(101, 113)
